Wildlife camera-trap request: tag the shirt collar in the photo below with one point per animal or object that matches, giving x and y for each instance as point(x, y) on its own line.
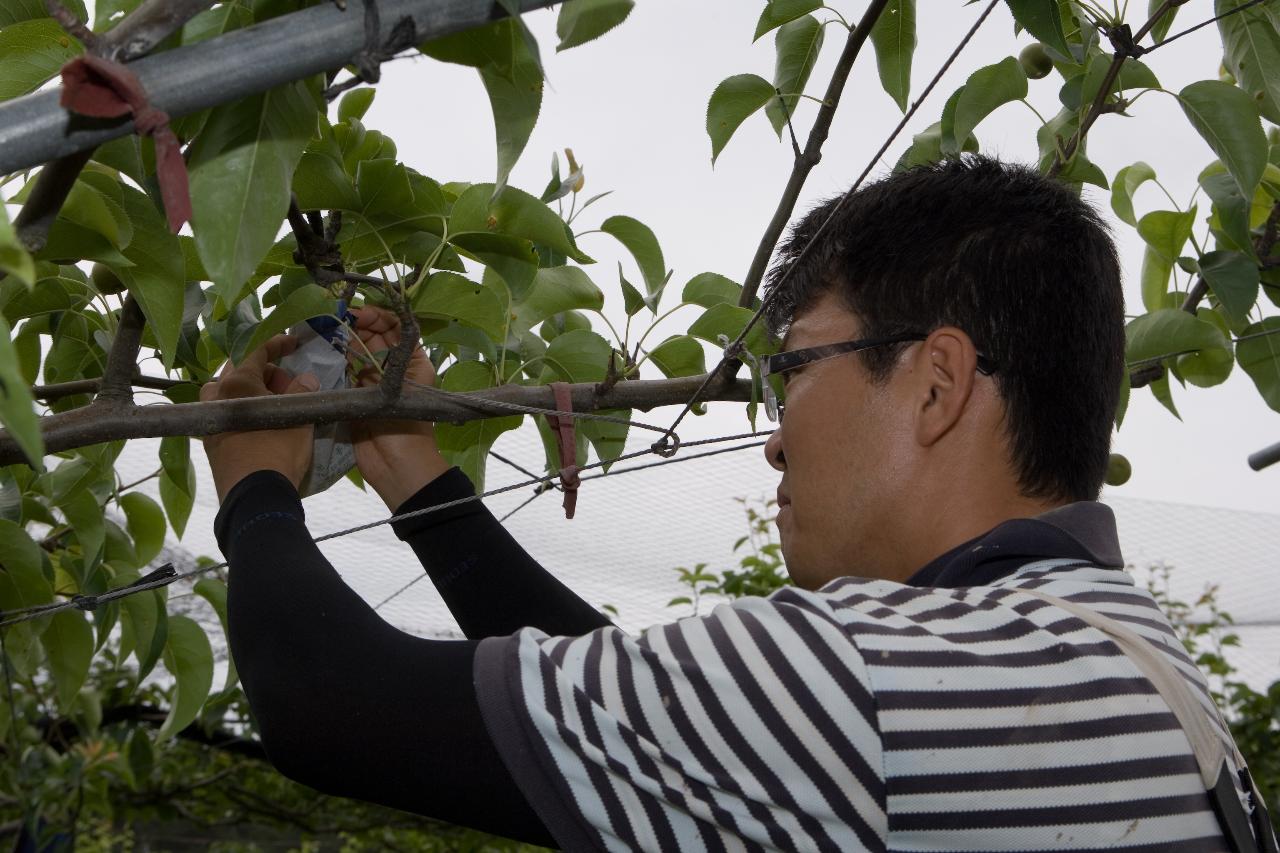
point(1085, 530)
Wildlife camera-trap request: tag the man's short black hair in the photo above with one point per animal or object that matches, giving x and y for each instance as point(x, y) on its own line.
point(1016, 260)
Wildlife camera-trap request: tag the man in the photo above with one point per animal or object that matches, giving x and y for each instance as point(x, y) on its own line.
point(908, 694)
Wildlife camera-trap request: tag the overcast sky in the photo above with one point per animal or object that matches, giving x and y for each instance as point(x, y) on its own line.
point(632, 106)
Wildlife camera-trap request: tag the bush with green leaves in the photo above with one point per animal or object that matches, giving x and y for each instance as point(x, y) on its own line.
point(300, 205)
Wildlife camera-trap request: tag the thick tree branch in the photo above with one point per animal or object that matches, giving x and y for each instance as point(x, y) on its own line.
point(93, 424)
point(812, 153)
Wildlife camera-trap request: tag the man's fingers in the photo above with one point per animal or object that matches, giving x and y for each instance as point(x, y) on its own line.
point(273, 350)
point(209, 391)
point(276, 378)
point(303, 384)
point(375, 320)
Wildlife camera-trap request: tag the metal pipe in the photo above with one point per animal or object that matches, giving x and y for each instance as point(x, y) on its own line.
point(35, 129)
point(1264, 457)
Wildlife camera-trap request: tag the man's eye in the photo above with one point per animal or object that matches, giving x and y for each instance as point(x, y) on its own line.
point(789, 375)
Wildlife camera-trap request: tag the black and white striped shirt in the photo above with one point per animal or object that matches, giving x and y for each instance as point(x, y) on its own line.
point(868, 715)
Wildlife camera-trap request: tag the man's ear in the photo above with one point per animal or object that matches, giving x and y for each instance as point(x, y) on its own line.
point(945, 369)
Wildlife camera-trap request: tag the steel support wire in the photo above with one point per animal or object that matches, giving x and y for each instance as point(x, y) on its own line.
point(35, 129)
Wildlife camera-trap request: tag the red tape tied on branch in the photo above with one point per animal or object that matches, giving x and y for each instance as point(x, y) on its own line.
point(562, 426)
point(100, 88)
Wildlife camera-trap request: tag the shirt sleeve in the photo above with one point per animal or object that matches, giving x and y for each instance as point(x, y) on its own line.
point(755, 723)
point(491, 585)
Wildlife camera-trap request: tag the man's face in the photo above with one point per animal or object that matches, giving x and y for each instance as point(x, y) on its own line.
point(841, 449)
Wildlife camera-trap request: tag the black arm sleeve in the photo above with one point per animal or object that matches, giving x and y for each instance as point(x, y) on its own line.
point(344, 702)
point(491, 584)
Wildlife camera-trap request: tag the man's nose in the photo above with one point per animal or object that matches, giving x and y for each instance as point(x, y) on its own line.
point(773, 450)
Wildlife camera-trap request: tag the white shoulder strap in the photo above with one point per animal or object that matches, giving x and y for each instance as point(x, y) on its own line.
point(1209, 750)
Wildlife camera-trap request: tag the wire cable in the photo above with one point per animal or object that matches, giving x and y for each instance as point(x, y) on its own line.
point(166, 576)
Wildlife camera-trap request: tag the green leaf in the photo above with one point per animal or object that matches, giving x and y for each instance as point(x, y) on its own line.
point(84, 514)
point(1163, 393)
point(156, 274)
point(709, 288)
point(1233, 278)
point(926, 146)
point(16, 11)
point(733, 101)
point(1165, 232)
point(1258, 351)
point(581, 21)
point(467, 445)
point(355, 104)
point(679, 355)
point(14, 258)
point(21, 562)
point(554, 290)
point(1207, 367)
point(643, 246)
point(514, 213)
point(1167, 332)
point(17, 407)
point(146, 525)
point(985, 90)
point(214, 591)
point(241, 168)
point(1230, 208)
point(189, 659)
point(797, 45)
point(1251, 52)
point(778, 12)
point(1227, 119)
point(34, 51)
point(1081, 170)
point(95, 203)
point(448, 295)
point(515, 99)
point(1161, 28)
point(1155, 278)
point(147, 621)
point(68, 643)
point(894, 38)
point(512, 259)
point(494, 46)
point(1125, 185)
point(631, 298)
point(1042, 19)
point(322, 183)
point(310, 300)
point(728, 321)
point(577, 356)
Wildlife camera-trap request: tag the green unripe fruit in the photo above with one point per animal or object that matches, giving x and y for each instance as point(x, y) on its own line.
point(1118, 470)
point(1035, 62)
point(105, 281)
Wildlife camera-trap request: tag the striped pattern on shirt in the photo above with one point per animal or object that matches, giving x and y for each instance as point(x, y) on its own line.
point(866, 716)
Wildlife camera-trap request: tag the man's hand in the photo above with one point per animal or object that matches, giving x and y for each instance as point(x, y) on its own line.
point(235, 455)
point(396, 458)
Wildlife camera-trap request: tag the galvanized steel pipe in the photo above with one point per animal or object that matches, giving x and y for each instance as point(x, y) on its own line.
point(35, 128)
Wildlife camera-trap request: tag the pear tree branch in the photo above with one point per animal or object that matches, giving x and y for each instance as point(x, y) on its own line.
point(98, 422)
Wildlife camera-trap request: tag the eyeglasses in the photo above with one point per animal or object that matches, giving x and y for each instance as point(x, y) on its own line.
point(782, 362)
